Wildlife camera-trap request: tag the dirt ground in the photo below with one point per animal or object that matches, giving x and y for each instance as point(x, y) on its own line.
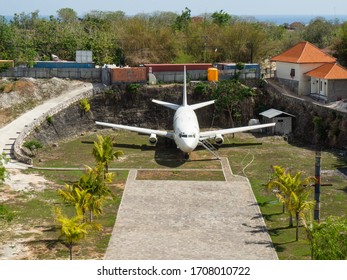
point(13, 187)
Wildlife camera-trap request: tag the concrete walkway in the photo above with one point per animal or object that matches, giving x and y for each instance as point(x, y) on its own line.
point(9, 133)
point(189, 220)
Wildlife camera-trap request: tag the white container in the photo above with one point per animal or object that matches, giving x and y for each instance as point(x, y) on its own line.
point(84, 56)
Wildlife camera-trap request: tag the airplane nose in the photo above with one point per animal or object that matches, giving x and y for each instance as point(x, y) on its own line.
point(188, 145)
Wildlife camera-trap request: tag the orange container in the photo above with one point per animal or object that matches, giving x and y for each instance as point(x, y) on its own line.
point(212, 74)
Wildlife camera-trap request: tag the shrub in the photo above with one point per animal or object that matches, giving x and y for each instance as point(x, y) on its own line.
point(133, 88)
point(49, 119)
point(84, 104)
point(32, 145)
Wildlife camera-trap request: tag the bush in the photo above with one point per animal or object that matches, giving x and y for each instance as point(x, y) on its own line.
point(84, 104)
point(329, 240)
point(32, 145)
point(133, 88)
point(49, 119)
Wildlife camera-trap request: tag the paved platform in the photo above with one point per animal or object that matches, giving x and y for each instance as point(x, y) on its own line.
point(189, 220)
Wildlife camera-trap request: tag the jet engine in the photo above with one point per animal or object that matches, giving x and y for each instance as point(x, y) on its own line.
point(219, 139)
point(152, 140)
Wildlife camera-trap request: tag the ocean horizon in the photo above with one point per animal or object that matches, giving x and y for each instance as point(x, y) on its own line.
point(305, 19)
point(276, 19)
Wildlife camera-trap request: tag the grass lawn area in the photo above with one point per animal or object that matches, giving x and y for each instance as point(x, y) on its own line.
point(34, 229)
point(255, 161)
point(249, 155)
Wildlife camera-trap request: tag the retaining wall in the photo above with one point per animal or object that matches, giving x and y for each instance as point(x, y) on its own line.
point(18, 153)
point(333, 124)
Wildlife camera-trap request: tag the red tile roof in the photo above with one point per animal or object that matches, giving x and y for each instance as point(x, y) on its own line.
point(329, 71)
point(304, 52)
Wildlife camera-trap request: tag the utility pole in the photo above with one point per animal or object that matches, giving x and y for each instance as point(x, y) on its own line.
point(317, 186)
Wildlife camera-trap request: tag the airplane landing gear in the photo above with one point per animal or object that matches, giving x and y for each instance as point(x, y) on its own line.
point(186, 156)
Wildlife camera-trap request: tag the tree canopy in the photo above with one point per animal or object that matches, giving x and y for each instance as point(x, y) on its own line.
point(160, 37)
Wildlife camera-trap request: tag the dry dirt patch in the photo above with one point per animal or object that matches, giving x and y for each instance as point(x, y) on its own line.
point(14, 186)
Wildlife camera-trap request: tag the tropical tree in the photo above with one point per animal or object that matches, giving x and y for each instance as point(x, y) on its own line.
point(221, 18)
point(301, 198)
point(340, 45)
point(319, 32)
point(228, 95)
point(182, 22)
point(89, 193)
point(95, 181)
point(72, 229)
point(103, 151)
point(280, 186)
point(80, 198)
point(67, 15)
point(293, 192)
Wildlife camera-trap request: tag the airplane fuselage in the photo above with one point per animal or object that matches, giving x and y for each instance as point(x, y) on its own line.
point(186, 129)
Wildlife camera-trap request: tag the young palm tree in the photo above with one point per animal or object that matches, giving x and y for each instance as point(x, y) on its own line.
point(302, 189)
point(72, 230)
point(103, 151)
point(294, 192)
point(78, 197)
point(94, 182)
point(280, 183)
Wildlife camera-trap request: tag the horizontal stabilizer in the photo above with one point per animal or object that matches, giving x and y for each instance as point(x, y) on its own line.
point(166, 104)
point(202, 104)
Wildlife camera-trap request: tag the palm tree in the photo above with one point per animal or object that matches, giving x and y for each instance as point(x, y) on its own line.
point(302, 189)
point(78, 197)
point(94, 182)
point(73, 230)
point(103, 151)
point(281, 187)
point(294, 192)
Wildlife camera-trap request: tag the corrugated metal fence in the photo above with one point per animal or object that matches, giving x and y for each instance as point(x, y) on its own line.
point(43, 73)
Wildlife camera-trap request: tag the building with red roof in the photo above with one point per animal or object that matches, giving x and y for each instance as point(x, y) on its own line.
point(307, 70)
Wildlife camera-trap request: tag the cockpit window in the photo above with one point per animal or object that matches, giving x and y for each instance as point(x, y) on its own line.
point(184, 135)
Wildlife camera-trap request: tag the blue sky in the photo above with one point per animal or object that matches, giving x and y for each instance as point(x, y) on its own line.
point(132, 7)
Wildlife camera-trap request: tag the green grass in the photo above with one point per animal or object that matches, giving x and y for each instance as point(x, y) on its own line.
point(181, 175)
point(137, 154)
point(248, 156)
point(273, 151)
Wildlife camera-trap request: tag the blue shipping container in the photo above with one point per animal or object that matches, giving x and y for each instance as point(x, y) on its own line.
point(62, 64)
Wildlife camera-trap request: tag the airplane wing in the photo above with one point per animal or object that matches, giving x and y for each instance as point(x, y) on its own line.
point(148, 131)
point(212, 134)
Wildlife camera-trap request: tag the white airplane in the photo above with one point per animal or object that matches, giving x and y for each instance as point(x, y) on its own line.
point(186, 132)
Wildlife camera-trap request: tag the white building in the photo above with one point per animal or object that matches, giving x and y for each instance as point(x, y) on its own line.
point(307, 70)
point(283, 121)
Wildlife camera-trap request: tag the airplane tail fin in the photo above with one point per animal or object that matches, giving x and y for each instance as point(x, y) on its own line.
point(184, 102)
